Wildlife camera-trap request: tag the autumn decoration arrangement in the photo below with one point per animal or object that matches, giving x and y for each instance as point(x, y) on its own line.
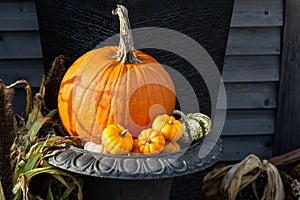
point(107, 103)
point(109, 97)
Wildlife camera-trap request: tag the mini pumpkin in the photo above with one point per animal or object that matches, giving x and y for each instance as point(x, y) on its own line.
point(150, 141)
point(171, 128)
point(196, 126)
point(171, 147)
point(111, 85)
point(116, 139)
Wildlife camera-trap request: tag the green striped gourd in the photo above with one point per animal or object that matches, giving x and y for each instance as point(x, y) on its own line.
point(196, 126)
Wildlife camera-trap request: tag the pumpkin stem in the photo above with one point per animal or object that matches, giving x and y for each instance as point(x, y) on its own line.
point(123, 132)
point(125, 52)
point(181, 114)
point(147, 141)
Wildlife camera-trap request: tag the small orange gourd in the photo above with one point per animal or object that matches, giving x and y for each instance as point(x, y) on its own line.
point(171, 147)
point(170, 127)
point(150, 141)
point(114, 85)
point(116, 139)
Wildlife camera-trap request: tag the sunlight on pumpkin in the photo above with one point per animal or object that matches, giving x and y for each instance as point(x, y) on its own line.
point(99, 91)
point(112, 85)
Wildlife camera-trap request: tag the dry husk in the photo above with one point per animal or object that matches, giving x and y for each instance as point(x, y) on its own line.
point(227, 182)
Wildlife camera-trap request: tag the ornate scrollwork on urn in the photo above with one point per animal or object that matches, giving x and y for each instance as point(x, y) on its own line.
point(136, 167)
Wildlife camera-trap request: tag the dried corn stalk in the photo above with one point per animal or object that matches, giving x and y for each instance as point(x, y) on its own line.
point(34, 135)
point(52, 83)
point(6, 139)
point(227, 182)
point(2, 195)
point(28, 151)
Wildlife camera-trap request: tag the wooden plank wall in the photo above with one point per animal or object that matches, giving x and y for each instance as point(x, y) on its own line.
point(251, 75)
point(287, 137)
point(20, 50)
point(251, 70)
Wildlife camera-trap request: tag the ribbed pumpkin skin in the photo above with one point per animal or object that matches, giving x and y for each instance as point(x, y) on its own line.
point(171, 128)
point(97, 91)
point(197, 124)
point(115, 141)
point(150, 141)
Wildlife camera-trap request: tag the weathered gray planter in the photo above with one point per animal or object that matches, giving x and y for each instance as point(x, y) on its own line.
point(72, 27)
point(125, 177)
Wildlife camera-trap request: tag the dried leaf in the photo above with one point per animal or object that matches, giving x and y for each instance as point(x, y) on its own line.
point(50, 194)
point(233, 181)
point(213, 180)
point(54, 171)
point(28, 107)
point(28, 95)
point(52, 113)
point(2, 196)
point(35, 128)
point(68, 191)
point(31, 146)
point(274, 188)
point(33, 116)
point(217, 173)
point(227, 182)
point(24, 186)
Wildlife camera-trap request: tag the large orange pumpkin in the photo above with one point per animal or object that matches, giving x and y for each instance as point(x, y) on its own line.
point(114, 85)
